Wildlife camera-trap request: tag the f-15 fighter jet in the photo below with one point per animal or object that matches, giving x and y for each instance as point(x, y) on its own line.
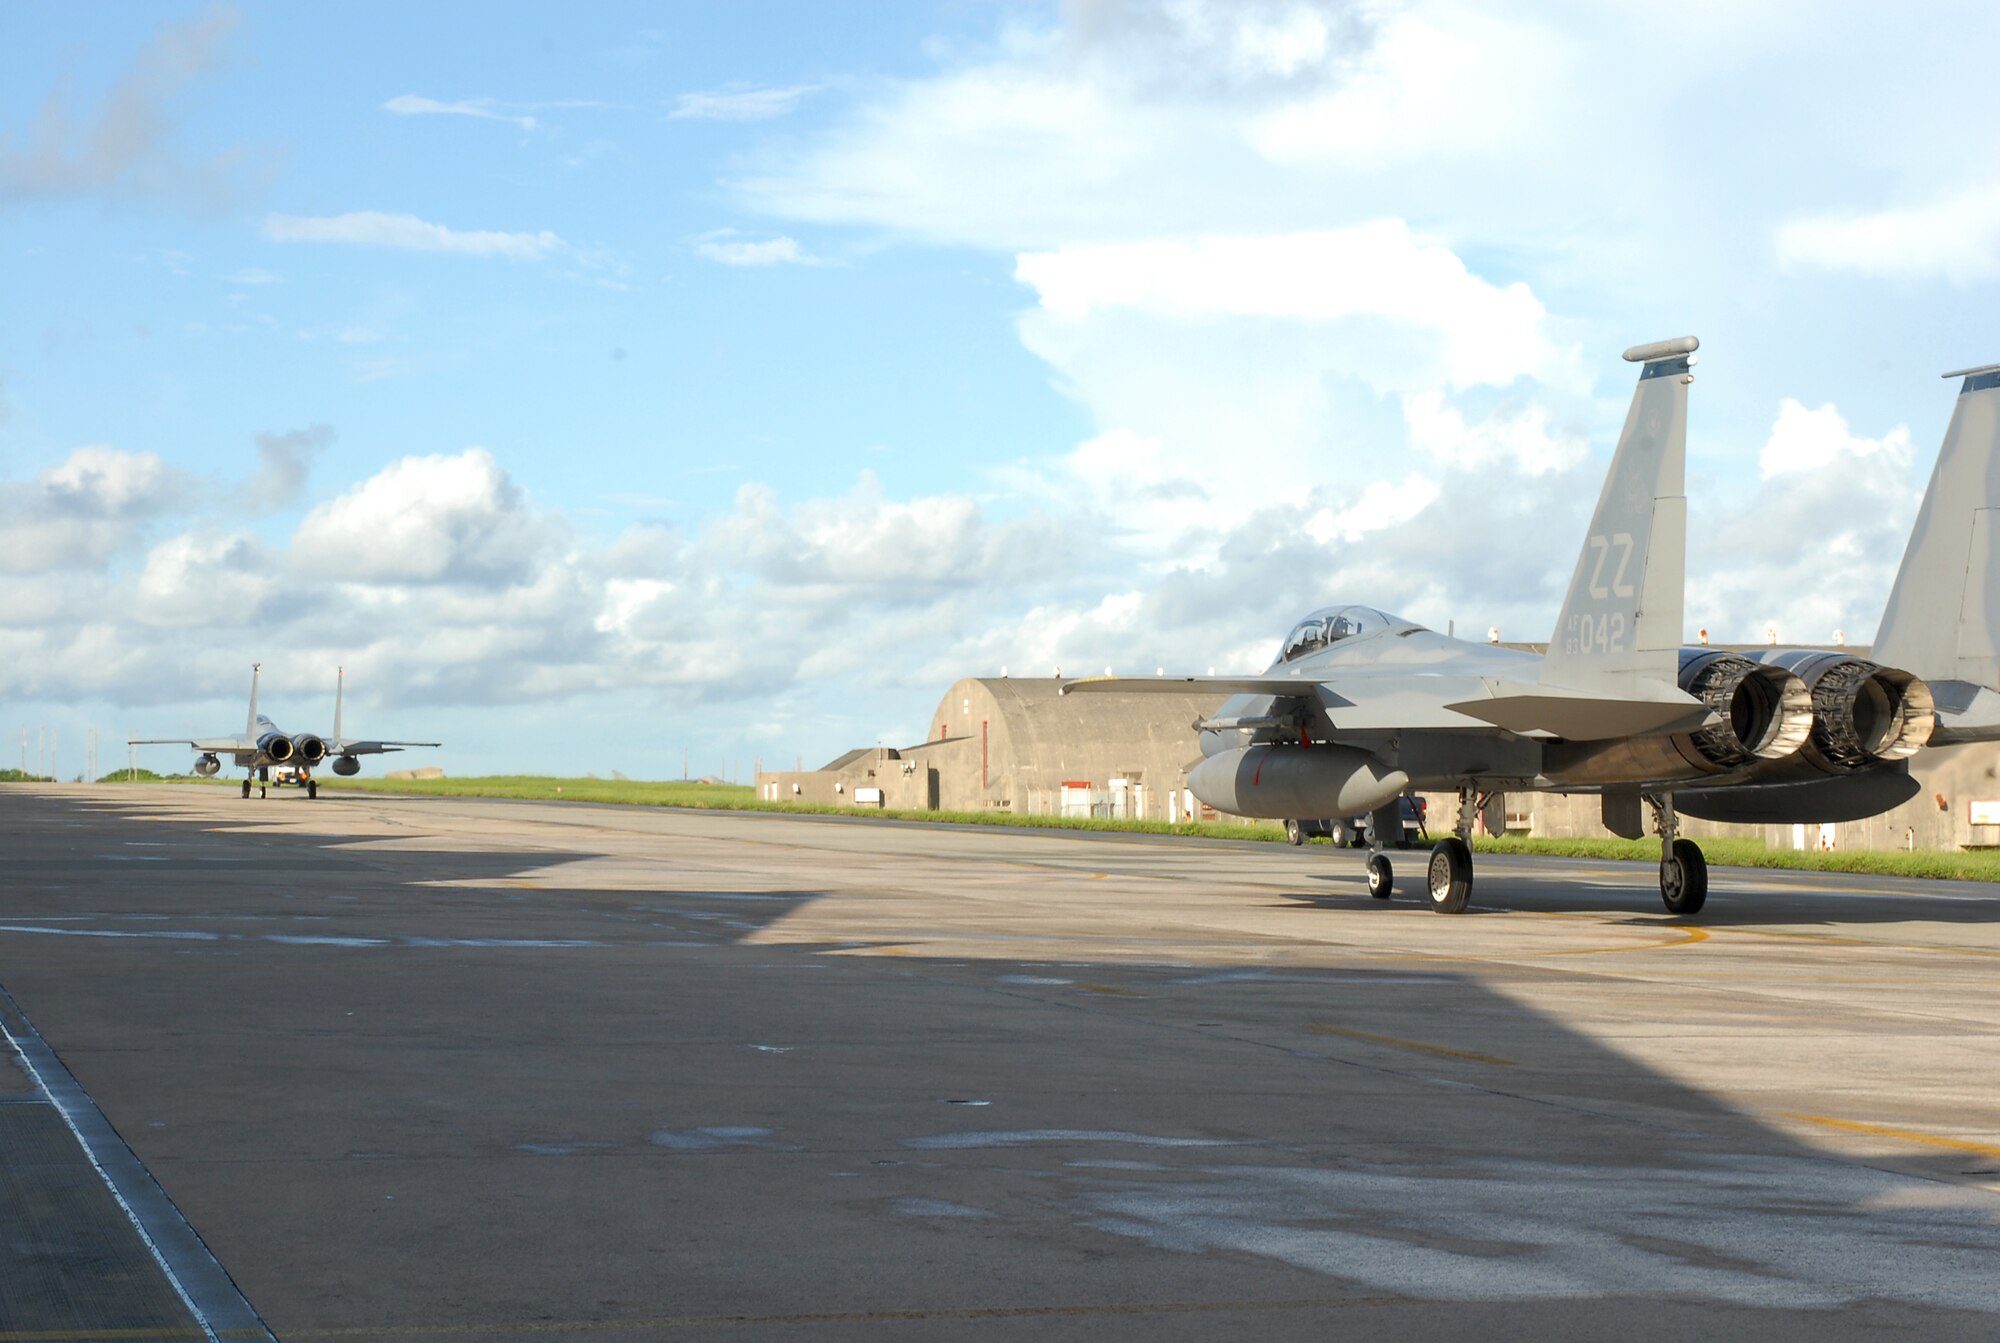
point(262, 746)
point(1361, 705)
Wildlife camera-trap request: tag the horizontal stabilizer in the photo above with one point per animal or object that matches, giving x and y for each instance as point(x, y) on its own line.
point(1529, 709)
point(373, 747)
point(1965, 713)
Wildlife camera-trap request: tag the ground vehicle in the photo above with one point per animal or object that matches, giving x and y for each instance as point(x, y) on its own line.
point(1352, 831)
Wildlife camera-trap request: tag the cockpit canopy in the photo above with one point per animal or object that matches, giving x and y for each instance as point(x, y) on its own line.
point(1322, 629)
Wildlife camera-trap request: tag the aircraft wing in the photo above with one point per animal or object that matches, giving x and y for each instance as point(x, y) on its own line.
point(209, 745)
point(373, 747)
point(1530, 708)
point(1380, 702)
point(1193, 685)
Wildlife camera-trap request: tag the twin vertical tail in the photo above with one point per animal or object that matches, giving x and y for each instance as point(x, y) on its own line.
point(1620, 630)
point(339, 688)
point(250, 726)
point(1943, 618)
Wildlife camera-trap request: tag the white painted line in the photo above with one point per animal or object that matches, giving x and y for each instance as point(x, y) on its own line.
point(191, 1268)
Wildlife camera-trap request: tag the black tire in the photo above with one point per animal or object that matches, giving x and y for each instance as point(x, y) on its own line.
point(1684, 878)
point(1337, 832)
point(1381, 877)
point(246, 788)
point(1450, 876)
point(1294, 833)
point(312, 787)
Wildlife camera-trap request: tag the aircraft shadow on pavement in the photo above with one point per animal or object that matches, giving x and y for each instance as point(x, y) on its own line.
point(215, 881)
point(1137, 1133)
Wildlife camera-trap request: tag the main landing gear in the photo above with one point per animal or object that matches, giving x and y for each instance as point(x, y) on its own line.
point(1450, 871)
point(1683, 870)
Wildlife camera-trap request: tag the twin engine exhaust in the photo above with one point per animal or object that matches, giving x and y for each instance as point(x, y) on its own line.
point(1786, 714)
point(1862, 713)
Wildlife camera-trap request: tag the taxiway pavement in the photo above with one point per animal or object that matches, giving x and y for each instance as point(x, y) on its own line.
point(420, 1068)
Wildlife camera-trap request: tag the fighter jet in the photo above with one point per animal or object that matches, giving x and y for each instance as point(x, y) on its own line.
point(1361, 705)
point(262, 746)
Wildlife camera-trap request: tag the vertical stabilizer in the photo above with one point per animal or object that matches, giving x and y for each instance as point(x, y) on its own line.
point(339, 688)
point(1943, 617)
point(1620, 629)
point(250, 727)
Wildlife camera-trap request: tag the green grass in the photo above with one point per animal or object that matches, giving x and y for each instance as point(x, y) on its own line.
point(1964, 866)
point(741, 797)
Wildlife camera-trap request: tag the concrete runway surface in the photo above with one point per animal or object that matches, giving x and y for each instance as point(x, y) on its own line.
point(374, 1068)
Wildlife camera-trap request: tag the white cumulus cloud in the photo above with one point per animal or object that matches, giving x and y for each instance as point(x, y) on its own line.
point(1954, 237)
point(1486, 332)
point(457, 518)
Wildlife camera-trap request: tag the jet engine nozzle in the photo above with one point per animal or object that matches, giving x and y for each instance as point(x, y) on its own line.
point(346, 764)
point(208, 766)
point(1863, 713)
point(276, 746)
point(309, 749)
point(1766, 712)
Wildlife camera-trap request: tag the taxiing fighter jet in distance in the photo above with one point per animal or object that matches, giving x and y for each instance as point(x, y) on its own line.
point(1361, 705)
point(262, 745)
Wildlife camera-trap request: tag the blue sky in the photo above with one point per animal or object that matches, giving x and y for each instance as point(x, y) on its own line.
point(602, 385)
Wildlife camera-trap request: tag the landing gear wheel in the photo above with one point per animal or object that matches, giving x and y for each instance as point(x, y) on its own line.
point(1381, 877)
point(312, 787)
point(246, 788)
point(1340, 834)
point(1294, 833)
point(1684, 878)
point(1451, 876)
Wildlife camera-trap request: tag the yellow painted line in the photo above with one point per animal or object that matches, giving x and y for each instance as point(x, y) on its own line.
point(1834, 939)
point(1469, 1055)
point(1112, 989)
point(1688, 937)
point(1900, 1134)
